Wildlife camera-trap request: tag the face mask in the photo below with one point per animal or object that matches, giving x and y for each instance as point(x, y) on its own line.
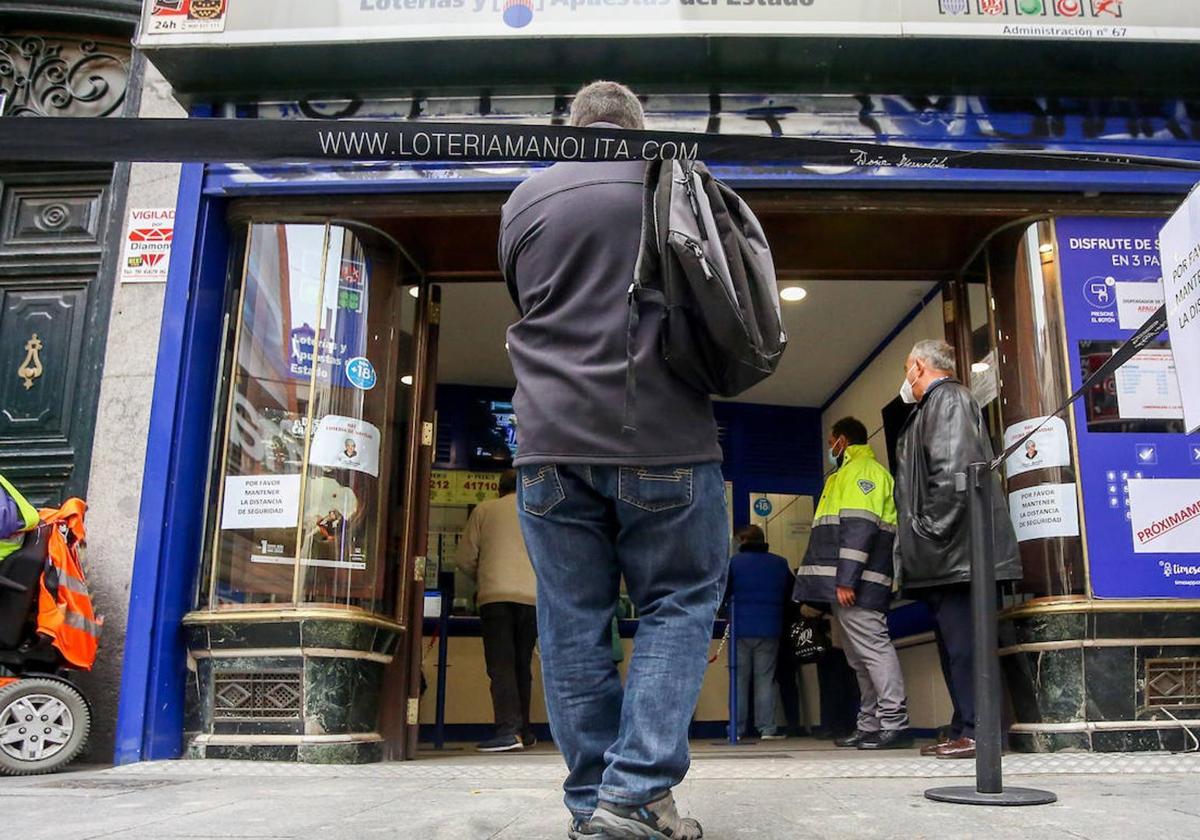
point(835, 457)
point(906, 390)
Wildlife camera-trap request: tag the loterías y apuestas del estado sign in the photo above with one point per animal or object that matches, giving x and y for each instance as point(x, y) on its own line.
point(169, 23)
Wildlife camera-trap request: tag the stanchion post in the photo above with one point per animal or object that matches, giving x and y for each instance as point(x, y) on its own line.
point(447, 589)
point(988, 747)
point(989, 789)
point(733, 666)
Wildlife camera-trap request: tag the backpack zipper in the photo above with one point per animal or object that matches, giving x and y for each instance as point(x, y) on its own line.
point(690, 187)
point(695, 248)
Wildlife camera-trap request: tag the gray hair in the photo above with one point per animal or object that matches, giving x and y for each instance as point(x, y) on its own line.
point(935, 353)
point(609, 102)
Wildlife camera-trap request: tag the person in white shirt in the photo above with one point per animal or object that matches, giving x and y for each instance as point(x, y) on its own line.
point(492, 553)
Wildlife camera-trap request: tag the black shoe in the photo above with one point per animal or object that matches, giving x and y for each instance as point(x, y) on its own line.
point(890, 739)
point(528, 739)
point(855, 739)
point(501, 743)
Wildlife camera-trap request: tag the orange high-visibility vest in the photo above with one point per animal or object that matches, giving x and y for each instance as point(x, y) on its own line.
point(65, 611)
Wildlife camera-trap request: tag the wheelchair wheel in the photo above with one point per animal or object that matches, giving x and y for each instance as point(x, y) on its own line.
point(44, 724)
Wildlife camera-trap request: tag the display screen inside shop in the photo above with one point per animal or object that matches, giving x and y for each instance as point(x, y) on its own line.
point(1142, 396)
point(493, 430)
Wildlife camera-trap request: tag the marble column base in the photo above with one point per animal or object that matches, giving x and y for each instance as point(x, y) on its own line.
point(287, 688)
point(362, 752)
point(1081, 681)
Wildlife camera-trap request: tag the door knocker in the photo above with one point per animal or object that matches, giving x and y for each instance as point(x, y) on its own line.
point(31, 368)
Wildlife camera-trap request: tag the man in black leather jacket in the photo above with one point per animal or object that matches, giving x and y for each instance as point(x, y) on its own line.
point(944, 435)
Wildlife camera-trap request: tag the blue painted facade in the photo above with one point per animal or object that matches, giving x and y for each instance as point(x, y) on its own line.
point(170, 531)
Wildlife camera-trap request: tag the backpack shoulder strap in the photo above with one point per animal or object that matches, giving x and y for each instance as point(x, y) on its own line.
point(645, 286)
point(650, 249)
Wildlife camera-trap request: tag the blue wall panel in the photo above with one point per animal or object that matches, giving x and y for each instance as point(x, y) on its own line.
point(150, 718)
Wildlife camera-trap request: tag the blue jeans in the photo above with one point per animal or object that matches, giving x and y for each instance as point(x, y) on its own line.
point(665, 530)
point(757, 657)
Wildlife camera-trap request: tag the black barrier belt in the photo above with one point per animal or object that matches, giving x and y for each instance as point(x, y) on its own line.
point(94, 139)
point(1149, 331)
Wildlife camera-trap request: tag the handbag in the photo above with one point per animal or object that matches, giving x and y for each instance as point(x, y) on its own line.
point(807, 640)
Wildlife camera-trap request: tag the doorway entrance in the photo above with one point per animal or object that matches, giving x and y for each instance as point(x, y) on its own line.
point(403, 418)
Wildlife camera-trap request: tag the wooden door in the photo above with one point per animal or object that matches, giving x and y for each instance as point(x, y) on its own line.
point(399, 719)
point(54, 303)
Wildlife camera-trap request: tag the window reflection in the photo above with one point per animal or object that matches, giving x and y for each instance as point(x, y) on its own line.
point(315, 422)
point(1032, 362)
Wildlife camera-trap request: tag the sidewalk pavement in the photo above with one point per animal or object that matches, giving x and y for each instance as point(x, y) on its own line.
point(757, 792)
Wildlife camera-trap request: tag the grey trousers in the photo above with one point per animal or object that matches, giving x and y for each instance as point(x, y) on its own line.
point(871, 654)
point(757, 657)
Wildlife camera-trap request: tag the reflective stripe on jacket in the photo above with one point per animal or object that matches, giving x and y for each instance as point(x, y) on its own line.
point(853, 535)
point(26, 514)
point(65, 611)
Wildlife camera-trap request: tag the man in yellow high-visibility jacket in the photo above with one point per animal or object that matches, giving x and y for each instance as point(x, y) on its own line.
point(848, 567)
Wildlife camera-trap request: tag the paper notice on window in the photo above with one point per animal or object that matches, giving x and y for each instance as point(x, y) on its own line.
point(1148, 388)
point(1045, 511)
point(799, 528)
point(1165, 515)
point(985, 380)
point(260, 501)
point(1136, 302)
point(346, 443)
point(1048, 448)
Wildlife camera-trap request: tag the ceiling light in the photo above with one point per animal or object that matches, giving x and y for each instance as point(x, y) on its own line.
point(406, 379)
point(415, 291)
point(792, 294)
point(980, 367)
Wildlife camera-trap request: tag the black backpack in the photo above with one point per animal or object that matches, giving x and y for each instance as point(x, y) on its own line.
point(705, 262)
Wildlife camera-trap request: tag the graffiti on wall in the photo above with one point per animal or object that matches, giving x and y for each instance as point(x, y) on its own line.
point(1163, 127)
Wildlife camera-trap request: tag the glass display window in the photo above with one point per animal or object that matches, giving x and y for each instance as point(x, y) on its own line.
point(307, 458)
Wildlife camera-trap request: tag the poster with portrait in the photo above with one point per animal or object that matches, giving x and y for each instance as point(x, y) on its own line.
point(1049, 447)
point(346, 443)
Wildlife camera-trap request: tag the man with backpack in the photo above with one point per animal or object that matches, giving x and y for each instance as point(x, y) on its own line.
point(620, 476)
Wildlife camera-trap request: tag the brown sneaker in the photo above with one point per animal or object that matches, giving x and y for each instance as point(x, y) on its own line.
point(962, 748)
